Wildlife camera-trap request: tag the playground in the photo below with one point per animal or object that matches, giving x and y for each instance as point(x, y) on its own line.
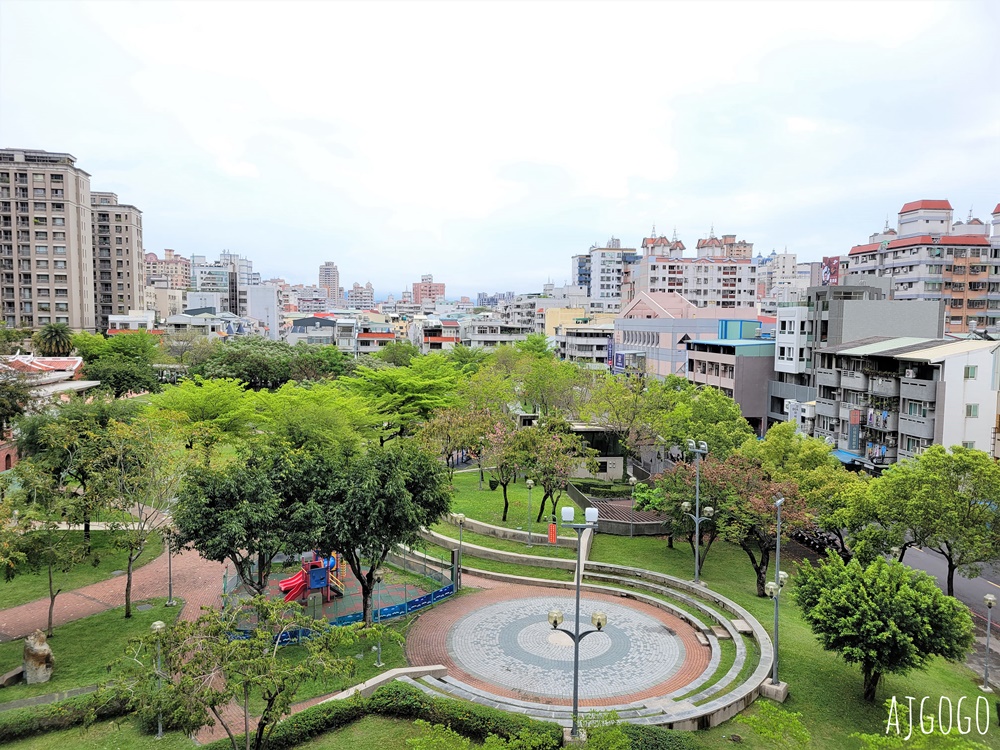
point(328, 589)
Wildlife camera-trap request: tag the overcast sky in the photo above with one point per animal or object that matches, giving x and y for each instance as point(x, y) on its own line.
point(487, 143)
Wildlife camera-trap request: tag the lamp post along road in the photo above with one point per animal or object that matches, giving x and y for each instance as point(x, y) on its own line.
point(529, 484)
point(460, 517)
point(170, 535)
point(378, 593)
point(599, 619)
point(989, 600)
point(699, 449)
point(631, 516)
point(773, 590)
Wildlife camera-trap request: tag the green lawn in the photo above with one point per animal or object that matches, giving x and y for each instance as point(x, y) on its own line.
point(28, 585)
point(105, 735)
point(539, 548)
point(825, 689)
point(368, 732)
point(487, 506)
point(83, 649)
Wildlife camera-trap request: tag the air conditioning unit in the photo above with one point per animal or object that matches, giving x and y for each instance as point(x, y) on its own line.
point(808, 411)
point(788, 405)
point(911, 373)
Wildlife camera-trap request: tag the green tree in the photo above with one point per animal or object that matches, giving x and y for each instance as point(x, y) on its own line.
point(406, 396)
point(468, 359)
point(16, 395)
point(399, 353)
point(700, 413)
point(90, 346)
point(375, 501)
point(203, 408)
point(945, 501)
point(123, 376)
point(205, 669)
point(137, 472)
point(54, 340)
point(45, 510)
point(314, 362)
point(626, 406)
point(251, 510)
point(65, 440)
point(12, 339)
point(547, 386)
point(139, 347)
point(887, 618)
point(549, 454)
point(317, 416)
point(258, 362)
point(502, 455)
point(535, 345)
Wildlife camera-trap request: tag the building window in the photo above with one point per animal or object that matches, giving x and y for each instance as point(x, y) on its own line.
point(970, 444)
point(970, 372)
point(971, 410)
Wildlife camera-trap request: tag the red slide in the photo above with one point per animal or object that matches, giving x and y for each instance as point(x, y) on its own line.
point(297, 592)
point(294, 582)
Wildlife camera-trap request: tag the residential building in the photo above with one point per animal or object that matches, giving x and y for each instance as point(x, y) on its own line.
point(361, 297)
point(229, 277)
point(175, 269)
point(929, 256)
point(722, 275)
point(490, 333)
point(329, 279)
point(119, 263)
point(607, 268)
point(830, 315)
point(654, 327)
point(164, 301)
point(886, 398)
point(133, 320)
point(740, 362)
point(209, 323)
point(265, 307)
point(46, 240)
point(427, 289)
point(580, 270)
point(373, 336)
point(585, 343)
point(310, 299)
point(493, 301)
point(434, 335)
point(528, 309)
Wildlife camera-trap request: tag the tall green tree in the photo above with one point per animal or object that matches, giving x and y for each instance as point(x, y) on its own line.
point(625, 405)
point(502, 454)
point(123, 376)
point(886, 618)
point(252, 509)
point(547, 386)
point(399, 353)
point(137, 472)
point(258, 362)
point(535, 345)
point(204, 408)
point(54, 340)
point(947, 501)
point(376, 501)
point(550, 453)
point(12, 339)
point(700, 413)
point(316, 416)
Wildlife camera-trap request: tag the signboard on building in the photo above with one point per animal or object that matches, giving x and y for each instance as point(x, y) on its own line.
point(619, 363)
point(854, 431)
point(611, 351)
point(830, 271)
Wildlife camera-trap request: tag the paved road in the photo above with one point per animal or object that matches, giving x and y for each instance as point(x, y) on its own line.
point(970, 591)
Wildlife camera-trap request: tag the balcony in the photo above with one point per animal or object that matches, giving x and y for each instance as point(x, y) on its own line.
point(853, 379)
point(918, 390)
point(878, 424)
point(827, 408)
point(846, 409)
point(881, 386)
point(918, 427)
point(828, 377)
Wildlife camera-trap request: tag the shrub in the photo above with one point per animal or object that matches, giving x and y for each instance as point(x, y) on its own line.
point(26, 722)
point(306, 724)
point(656, 738)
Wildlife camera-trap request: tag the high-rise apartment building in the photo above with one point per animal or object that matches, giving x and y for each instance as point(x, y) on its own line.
point(605, 271)
point(119, 263)
point(361, 297)
point(931, 257)
point(229, 277)
point(46, 241)
point(174, 269)
point(427, 290)
point(329, 279)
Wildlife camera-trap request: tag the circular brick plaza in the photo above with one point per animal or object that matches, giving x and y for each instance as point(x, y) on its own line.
point(498, 640)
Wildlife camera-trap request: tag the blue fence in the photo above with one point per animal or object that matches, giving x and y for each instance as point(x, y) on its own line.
point(398, 610)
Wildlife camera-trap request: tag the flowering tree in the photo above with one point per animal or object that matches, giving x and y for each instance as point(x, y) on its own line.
point(502, 455)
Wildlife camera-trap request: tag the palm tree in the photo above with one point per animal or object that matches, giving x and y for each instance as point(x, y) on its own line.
point(54, 340)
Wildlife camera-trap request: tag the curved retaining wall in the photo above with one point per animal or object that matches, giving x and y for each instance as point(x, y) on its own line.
point(501, 532)
point(499, 555)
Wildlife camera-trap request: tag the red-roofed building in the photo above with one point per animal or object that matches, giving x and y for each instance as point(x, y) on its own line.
point(929, 256)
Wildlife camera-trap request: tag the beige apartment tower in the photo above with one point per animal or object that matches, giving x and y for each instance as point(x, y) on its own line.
point(46, 241)
point(329, 279)
point(119, 262)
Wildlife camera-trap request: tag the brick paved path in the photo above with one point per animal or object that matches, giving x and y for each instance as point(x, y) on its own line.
point(197, 581)
point(427, 641)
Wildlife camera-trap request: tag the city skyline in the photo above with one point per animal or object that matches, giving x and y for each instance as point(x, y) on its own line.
point(397, 156)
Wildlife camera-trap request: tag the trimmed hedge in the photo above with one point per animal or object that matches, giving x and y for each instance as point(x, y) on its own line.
point(656, 738)
point(468, 719)
point(26, 722)
point(312, 722)
point(403, 701)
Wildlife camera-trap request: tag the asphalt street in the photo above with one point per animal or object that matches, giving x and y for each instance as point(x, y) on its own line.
point(971, 591)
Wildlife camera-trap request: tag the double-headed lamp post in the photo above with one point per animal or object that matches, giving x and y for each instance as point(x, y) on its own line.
point(378, 593)
point(773, 588)
point(632, 481)
point(171, 536)
point(460, 519)
point(989, 600)
point(158, 627)
point(599, 619)
point(700, 450)
point(529, 484)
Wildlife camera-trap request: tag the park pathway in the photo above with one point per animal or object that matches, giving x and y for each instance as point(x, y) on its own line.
point(197, 581)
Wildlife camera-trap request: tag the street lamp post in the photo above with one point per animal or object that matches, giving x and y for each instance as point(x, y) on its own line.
point(599, 619)
point(773, 588)
point(158, 627)
point(989, 600)
point(631, 515)
point(378, 594)
point(699, 450)
point(460, 517)
point(170, 535)
point(529, 484)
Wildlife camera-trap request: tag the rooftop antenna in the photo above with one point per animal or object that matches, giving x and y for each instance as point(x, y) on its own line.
point(970, 215)
point(886, 228)
point(654, 231)
point(675, 234)
point(711, 231)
